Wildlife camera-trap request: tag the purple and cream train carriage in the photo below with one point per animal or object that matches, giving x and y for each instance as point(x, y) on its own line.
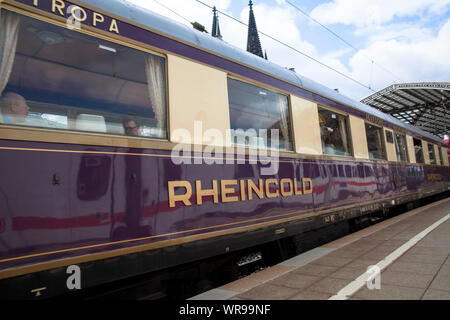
point(80, 187)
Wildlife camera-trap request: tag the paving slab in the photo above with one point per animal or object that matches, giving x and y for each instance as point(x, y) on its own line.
point(329, 285)
point(316, 270)
point(295, 280)
point(389, 292)
point(256, 279)
point(415, 267)
point(413, 280)
point(436, 295)
point(269, 292)
point(441, 282)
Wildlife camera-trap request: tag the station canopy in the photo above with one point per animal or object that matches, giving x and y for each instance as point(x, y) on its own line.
point(425, 105)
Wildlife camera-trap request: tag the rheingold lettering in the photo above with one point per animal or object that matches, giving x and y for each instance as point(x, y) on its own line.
point(226, 191)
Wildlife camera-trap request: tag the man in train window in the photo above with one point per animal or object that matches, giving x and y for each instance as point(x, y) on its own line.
point(14, 108)
point(131, 126)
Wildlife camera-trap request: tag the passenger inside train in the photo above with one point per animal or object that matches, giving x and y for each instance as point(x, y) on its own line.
point(418, 150)
point(131, 127)
point(334, 133)
point(14, 108)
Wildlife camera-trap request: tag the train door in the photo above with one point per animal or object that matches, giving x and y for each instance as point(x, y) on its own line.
point(34, 193)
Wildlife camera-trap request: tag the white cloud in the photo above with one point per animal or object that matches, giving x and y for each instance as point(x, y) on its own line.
point(373, 12)
point(398, 31)
point(282, 24)
point(422, 60)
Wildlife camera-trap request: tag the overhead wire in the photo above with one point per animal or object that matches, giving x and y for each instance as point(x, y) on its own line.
point(173, 11)
point(342, 39)
point(292, 48)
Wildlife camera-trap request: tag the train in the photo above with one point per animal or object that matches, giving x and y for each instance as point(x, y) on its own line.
point(131, 144)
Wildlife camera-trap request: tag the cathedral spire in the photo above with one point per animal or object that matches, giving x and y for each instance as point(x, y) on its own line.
point(215, 27)
point(253, 43)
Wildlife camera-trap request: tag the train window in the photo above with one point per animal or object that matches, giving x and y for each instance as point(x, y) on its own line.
point(254, 109)
point(334, 133)
point(400, 147)
point(58, 78)
point(389, 136)
point(431, 153)
point(375, 142)
point(418, 150)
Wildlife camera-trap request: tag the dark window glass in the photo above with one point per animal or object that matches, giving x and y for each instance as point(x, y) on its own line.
point(431, 153)
point(64, 79)
point(418, 150)
point(375, 143)
point(400, 147)
point(253, 109)
point(389, 137)
point(334, 133)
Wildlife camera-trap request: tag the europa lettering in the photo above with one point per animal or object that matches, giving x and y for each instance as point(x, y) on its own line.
point(78, 14)
point(237, 190)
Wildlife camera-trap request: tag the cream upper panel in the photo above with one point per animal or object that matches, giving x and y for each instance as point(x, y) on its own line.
point(358, 134)
point(436, 154)
point(305, 123)
point(410, 145)
point(426, 156)
point(198, 103)
point(390, 147)
point(444, 156)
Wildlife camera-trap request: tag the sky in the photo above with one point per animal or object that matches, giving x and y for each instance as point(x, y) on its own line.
point(374, 42)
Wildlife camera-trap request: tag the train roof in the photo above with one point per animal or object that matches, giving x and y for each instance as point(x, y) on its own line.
point(186, 34)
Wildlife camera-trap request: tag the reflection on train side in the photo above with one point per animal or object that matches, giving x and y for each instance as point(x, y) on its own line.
point(128, 195)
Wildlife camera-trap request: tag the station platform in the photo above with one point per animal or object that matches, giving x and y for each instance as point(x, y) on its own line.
point(406, 257)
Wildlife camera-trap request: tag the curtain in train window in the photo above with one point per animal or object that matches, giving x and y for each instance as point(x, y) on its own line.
point(334, 133)
point(9, 32)
point(418, 150)
point(400, 147)
point(58, 78)
point(431, 153)
point(253, 109)
point(375, 143)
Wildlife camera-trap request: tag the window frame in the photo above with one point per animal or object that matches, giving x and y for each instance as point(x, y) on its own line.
point(274, 90)
point(423, 153)
point(433, 152)
point(383, 140)
point(87, 137)
point(349, 131)
point(408, 160)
